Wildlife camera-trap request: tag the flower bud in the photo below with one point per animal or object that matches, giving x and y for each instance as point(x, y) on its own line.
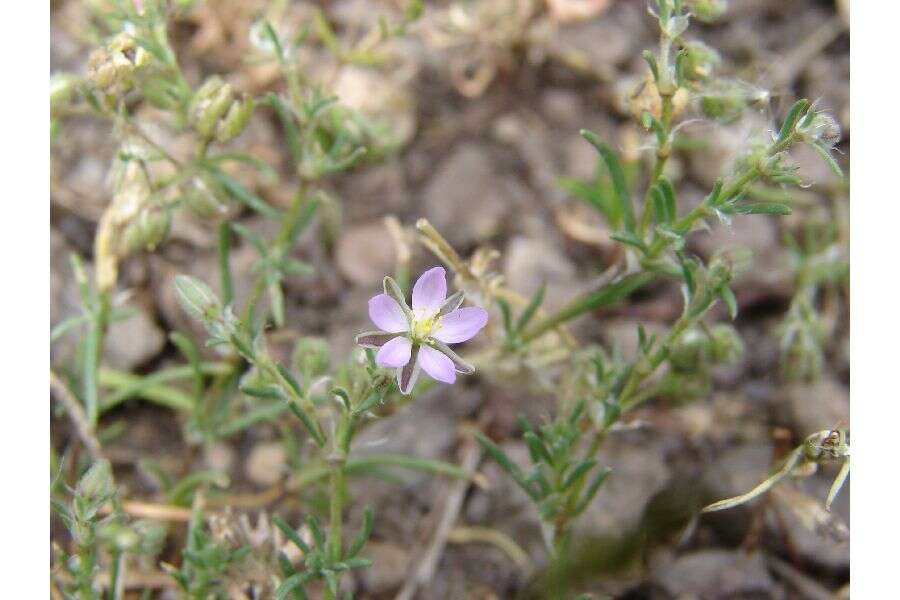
point(209, 104)
point(708, 11)
point(112, 69)
point(646, 98)
point(331, 217)
point(96, 485)
point(235, 120)
point(699, 61)
point(203, 195)
point(724, 103)
point(725, 344)
point(119, 537)
point(822, 129)
point(62, 87)
point(147, 230)
point(312, 356)
point(197, 299)
point(111, 244)
point(152, 536)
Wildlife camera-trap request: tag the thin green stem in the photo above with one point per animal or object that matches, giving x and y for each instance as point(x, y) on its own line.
point(606, 295)
point(93, 355)
point(279, 246)
point(337, 508)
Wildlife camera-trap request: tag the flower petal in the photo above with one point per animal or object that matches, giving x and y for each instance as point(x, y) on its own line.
point(387, 314)
point(460, 325)
point(436, 364)
point(395, 353)
point(429, 291)
point(374, 339)
point(408, 374)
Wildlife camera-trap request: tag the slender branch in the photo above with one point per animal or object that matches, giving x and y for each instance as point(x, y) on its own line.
point(73, 408)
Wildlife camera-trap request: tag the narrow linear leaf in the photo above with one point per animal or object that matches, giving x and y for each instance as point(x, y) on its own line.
point(240, 193)
point(506, 313)
point(224, 251)
point(578, 473)
point(762, 208)
point(289, 124)
point(291, 534)
point(536, 300)
point(589, 494)
point(790, 121)
point(618, 177)
point(829, 159)
point(292, 583)
point(730, 301)
point(363, 536)
point(632, 239)
point(190, 351)
point(606, 295)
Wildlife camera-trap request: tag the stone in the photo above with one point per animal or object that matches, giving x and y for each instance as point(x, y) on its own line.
point(767, 270)
point(365, 254)
point(129, 343)
point(724, 143)
point(530, 262)
point(266, 463)
point(709, 574)
point(824, 404)
point(639, 472)
point(134, 341)
point(390, 566)
point(463, 199)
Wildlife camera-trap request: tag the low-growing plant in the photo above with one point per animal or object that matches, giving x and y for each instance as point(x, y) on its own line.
point(234, 380)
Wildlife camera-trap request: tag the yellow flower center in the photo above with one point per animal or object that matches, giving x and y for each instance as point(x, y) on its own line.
point(423, 326)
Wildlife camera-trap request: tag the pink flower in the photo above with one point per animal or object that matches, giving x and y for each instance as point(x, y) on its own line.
point(417, 338)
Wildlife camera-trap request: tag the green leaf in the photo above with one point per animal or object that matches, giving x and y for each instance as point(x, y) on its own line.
point(240, 193)
point(261, 414)
point(289, 124)
point(291, 534)
point(295, 385)
point(589, 494)
point(276, 298)
point(668, 191)
point(632, 239)
point(606, 295)
point(659, 206)
point(224, 252)
point(363, 536)
point(505, 463)
point(762, 208)
point(537, 449)
point(309, 210)
point(578, 473)
point(730, 301)
point(790, 121)
point(292, 583)
point(187, 347)
point(650, 59)
point(251, 236)
point(828, 158)
point(66, 325)
point(270, 33)
point(506, 313)
point(618, 177)
point(591, 194)
point(247, 159)
point(532, 308)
